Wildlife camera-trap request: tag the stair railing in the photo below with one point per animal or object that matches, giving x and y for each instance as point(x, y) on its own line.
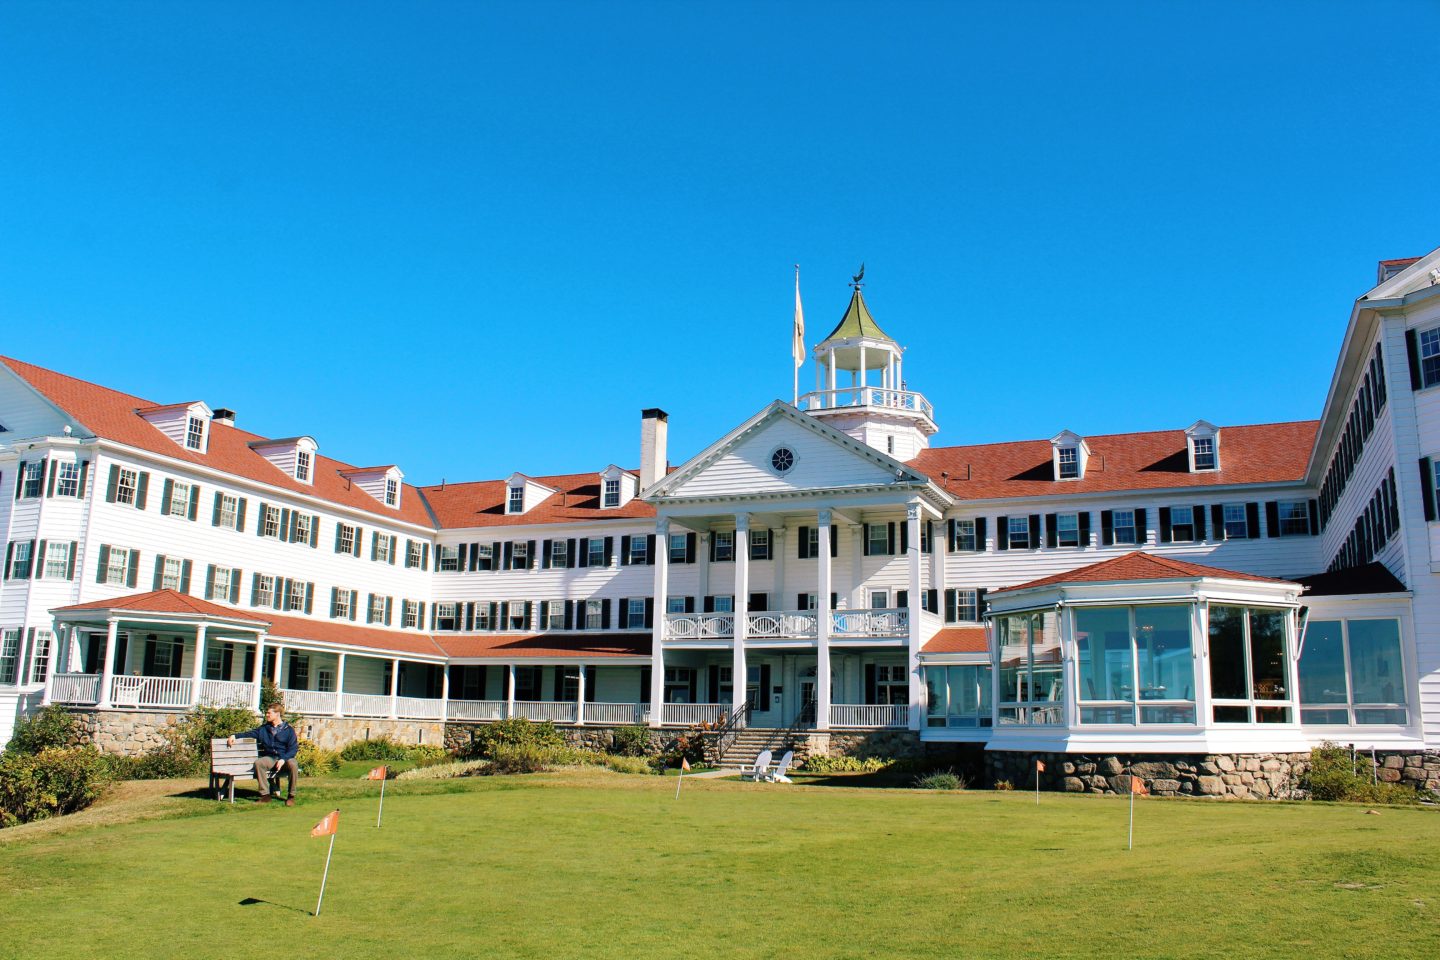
point(802, 720)
point(729, 730)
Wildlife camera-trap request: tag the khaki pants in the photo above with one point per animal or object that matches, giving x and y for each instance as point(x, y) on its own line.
point(263, 767)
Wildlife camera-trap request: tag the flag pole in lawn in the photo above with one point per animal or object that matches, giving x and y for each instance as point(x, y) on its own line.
point(680, 780)
point(1039, 766)
point(330, 825)
point(382, 774)
point(1131, 843)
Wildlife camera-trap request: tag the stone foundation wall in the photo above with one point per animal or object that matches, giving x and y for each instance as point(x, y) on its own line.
point(333, 733)
point(458, 737)
point(886, 744)
point(134, 732)
point(1244, 776)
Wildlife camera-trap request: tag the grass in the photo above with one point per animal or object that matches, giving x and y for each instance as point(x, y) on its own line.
point(596, 864)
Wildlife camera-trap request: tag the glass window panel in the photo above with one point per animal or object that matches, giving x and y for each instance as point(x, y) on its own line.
point(1376, 671)
point(1102, 638)
point(1332, 716)
point(1125, 714)
point(935, 696)
point(1372, 715)
point(1014, 648)
point(1232, 714)
point(1267, 654)
point(1227, 658)
point(1178, 713)
point(1322, 668)
point(1166, 667)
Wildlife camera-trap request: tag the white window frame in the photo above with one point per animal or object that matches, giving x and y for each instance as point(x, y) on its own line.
point(22, 561)
point(595, 552)
point(172, 569)
point(180, 494)
point(57, 560)
point(340, 607)
point(9, 656)
point(723, 603)
point(382, 547)
point(1116, 527)
point(594, 615)
point(724, 545)
point(756, 539)
point(520, 555)
point(296, 600)
point(117, 567)
point(610, 493)
point(967, 599)
point(67, 478)
point(447, 558)
point(555, 615)
point(1023, 532)
point(303, 466)
point(127, 486)
point(1240, 517)
point(1068, 459)
point(40, 655)
point(409, 613)
point(1429, 348)
point(675, 604)
point(634, 606)
point(1204, 458)
point(377, 608)
point(516, 617)
point(270, 522)
point(264, 591)
point(392, 492)
point(1188, 522)
point(560, 553)
point(220, 584)
point(229, 511)
point(639, 550)
point(304, 524)
point(1303, 507)
point(32, 484)
point(1067, 524)
point(195, 434)
point(347, 538)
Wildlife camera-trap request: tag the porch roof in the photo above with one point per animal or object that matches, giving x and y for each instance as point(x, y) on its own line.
point(957, 640)
point(556, 645)
point(158, 602)
point(352, 635)
point(1137, 565)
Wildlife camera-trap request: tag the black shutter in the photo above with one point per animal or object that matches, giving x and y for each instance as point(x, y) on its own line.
point(569, 614)
point(650, 549)
point(210, 581)
point(338, 527)
point(99, 571)
point(147, 665)
point(185, 568)
point(865, 529)
point(529, 554)
point(902, 599)
point(932, 600)
point(1051, 537)
point(546, 550)
point(644, 685)
point(609, 549)
point(1427, 487)
point(570, 552)
point(979, 534)
point(1002, 533)
point(70, 568)
point(1142, 532)
point(625, 551)
point(215, 516)
point(1165, 524)
point(50, 484)
point(765, 692)
point(167, 490)
point(355, 544)
point(1198, 514)
point(712, 686)
point(508, 556)
point(980, 604)
point(890, 536)
point(1217, 520)
point(389, 601)
point(693, 679)
point(802, 548)
point(287, 530)
point(870, 691)
point(142, 488)
point(1272, 517)
point(240, 524)
point(159, 570)
point(1034, 530)
point(709, 605)
point(1107, 528)
point(950, 529)
point(1412, 350)
point(111, 485)
point(689, 604)
point(1084, 528)
point(649, 612)
point(712, 546)
point(605, 613)
point(834, 541)
point(1314, 518)
point(194, 500)
point(689, 548)
point(929, 540)
point(133, 568)
point(309, 598)
point(952, 605)
point(584, 552)
point(84, 476)
point(496, 555)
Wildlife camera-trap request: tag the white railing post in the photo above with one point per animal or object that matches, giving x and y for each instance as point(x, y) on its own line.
point(912, 661)
point(107, 664)
point(394, 688)
point(822, 622)
point(197, 669)
point(340, 687)
point(58, 642)
point(739, 675)
point(258, 672)
point(445, 692)
point(510, 691)
point(580, 694)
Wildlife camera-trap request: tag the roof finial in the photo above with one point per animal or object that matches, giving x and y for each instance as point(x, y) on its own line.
point(855, 280)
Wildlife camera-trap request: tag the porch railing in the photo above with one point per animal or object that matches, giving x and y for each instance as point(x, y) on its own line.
point(310, 701)
point(557, 712)
point(689, 714)
point(364, 705)
point(870, 623)
point(226, 693)
point(869, 715)
point(867, 396)
point(82, 688)
point(783, 623)
point(419, 708)
point(150, 691)
point(620, 713)
point(699, 626)
point(477, 709)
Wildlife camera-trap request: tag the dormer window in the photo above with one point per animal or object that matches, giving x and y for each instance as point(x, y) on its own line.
point(392, 492)
point(195, 434)
point(611, 496)
point(1202, 443)
point(1068, 455)
point(302, 466)
point(517, 499)
point(1204, 453)
point(1069, 460)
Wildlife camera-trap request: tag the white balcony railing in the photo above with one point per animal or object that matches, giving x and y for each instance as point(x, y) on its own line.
point(689, 714)
point(888, 623)
point(558, 712)
point(781, 624)
point(309, 701)
point(419, 708)
point(150, 691)
point(869, 715)
point(699, 626)
point(477, 709)
point(618, 713)
point(857, 396)
point(80, 688)
point(226, 693)
point(365, 705)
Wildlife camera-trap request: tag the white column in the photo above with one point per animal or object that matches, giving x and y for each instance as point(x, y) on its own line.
point(340, 687)
point(917, 690)
point(830, 372)
point(702, 575)
point(58, 643)
point(742, 614)
point(445, 692)
point(777, 554)
point(279, 667)
point(861, 374)
point(580, 696)
point(510, 691)
point(819, 383)
point(107, 663)
point(258, 674)
point(394, 688)
point(197, 669)
point(822, 622)
point(661, 589)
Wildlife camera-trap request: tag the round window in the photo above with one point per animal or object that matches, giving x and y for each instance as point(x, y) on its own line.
point(782, 459)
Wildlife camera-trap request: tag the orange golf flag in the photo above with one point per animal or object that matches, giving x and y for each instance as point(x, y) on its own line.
point(684, 764)
point(328, 826)
point(379, 773)
point(1039, 766)
point(1137, 786)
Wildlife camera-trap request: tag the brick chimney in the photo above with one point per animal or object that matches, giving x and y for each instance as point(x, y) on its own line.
point(654, 425)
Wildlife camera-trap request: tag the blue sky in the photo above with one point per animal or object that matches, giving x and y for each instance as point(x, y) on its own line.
point(472, 239)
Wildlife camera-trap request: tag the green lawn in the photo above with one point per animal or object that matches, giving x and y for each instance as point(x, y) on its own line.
point(596, 864)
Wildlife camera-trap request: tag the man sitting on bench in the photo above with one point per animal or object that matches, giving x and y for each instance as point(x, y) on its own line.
point(277, 745)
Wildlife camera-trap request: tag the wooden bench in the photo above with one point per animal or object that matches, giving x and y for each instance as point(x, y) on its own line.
point(227, 764)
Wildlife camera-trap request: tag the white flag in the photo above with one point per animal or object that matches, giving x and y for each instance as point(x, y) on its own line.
point(798, 347)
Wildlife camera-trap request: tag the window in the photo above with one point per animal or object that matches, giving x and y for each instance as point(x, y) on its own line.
point(517, 500)
point(20, 559)
point(967, 606)
point(879, 599)
point(1294, 518)
point(126, 485)
point(674, 604)
point(965, 535)
point(446, 616)
point(1352, 672)
point(595, 552)
point(412, 553)
point(555, 615)
point(759, 544)
point(382, 548)
point(528, 682)
point(171, 573)
point(1237, 526)
point(32, 480)
point(812, 538)
point(1032, 685)
point(890, 444)
point(263, 593)
point(724, 603)
point(40, 656)
point(229, 511)
point(220, 584)
point(1248, 677)
point(165, 657)
point(67, 478)
point(195, 433)
point(1018, 529)
point(635, 613)
point(344, 538)
point(520, 555)
point(958, 696)
point(410, 613)
point(340, 605)
point(679, 681)
point(594, 615)
point(1430, 356)
point(448, 558)
point(1204, 453)
point(809, 601)
point(1135, 661)
point(639, 550)
point(724, 545)
point(892, 684)
point(117, 566)
point(518, 615)
point(180, 494)
point(295, 596)
point(57, 560)
point(612, 494)
point(878, 535)
point(302, 466)
point(377, 608)
point(559, 553)
point(270, 522)
point(1067, 530)
point(679, 547)
point(9, 655)
point(569, 678)
point(1124, 527)
point(1069, 458)
point(1182, 525)
point(304, 527)
point(783, 459)
point(392, 492)
point(324, 680)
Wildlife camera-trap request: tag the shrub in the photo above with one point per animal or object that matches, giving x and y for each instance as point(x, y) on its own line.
point(426, 755)
point(49, 728)
point(190, 738)
point(1335, 774)
point(941, 780)
point(845, 764)
point(519, 758)
point(50, 783)
point(446, 771)
point(314, 761)
point(1004, 785)
point(378, 748)
point(631, 741)
point(162, 763)
point(514, 732)
point(690, 746)
point(270, 695)
point(621, 763)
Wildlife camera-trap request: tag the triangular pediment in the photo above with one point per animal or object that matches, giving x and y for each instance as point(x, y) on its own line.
point(783, 451)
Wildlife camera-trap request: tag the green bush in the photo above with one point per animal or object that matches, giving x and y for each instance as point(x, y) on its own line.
point(314, 761)
point(49, 728)
point(1336, 775)
point(690, 746)
point(270, 695)
point(520, 758)
point(446, 771)
point(426, 755)
point(621, 763)
point(162, 763)
point(631, 741)
point(190, 738)
point(941, 780)
point(377, 748)
point(50, 783)
point(845, 764)
point(514, 732)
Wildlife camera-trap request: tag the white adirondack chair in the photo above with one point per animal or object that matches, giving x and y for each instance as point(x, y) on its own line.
point(784, 766)
point(761, 768)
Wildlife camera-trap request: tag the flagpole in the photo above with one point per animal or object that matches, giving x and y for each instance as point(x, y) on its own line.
point(1037, 784)
point(325, 876)
point(382, 801)
point(1131, 785)
point(797, 349)
point(679, 782)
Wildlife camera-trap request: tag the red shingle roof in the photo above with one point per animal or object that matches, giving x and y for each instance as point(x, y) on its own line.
point(163, 601)
point(482, 503)
point(1140, 566)
point(957, 640)
point(111, 414)
point(557, 645)
point(352, 635)
point(1261, 453)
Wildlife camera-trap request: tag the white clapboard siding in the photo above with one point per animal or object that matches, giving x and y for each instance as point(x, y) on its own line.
point(819, 462)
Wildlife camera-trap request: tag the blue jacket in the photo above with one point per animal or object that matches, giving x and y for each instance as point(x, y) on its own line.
point(274, 741)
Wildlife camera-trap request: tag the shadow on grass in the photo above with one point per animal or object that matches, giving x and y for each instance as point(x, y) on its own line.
point(879, 778)
point(256, 901)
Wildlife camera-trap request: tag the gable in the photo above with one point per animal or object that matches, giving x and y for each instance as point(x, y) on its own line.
point(24, 412)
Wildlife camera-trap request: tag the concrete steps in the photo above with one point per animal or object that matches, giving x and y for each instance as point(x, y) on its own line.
point(749, 743)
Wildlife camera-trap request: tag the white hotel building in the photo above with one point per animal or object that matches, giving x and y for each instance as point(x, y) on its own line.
point(1211, 589)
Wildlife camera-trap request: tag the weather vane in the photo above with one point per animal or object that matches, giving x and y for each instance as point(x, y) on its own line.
point(855, 280)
